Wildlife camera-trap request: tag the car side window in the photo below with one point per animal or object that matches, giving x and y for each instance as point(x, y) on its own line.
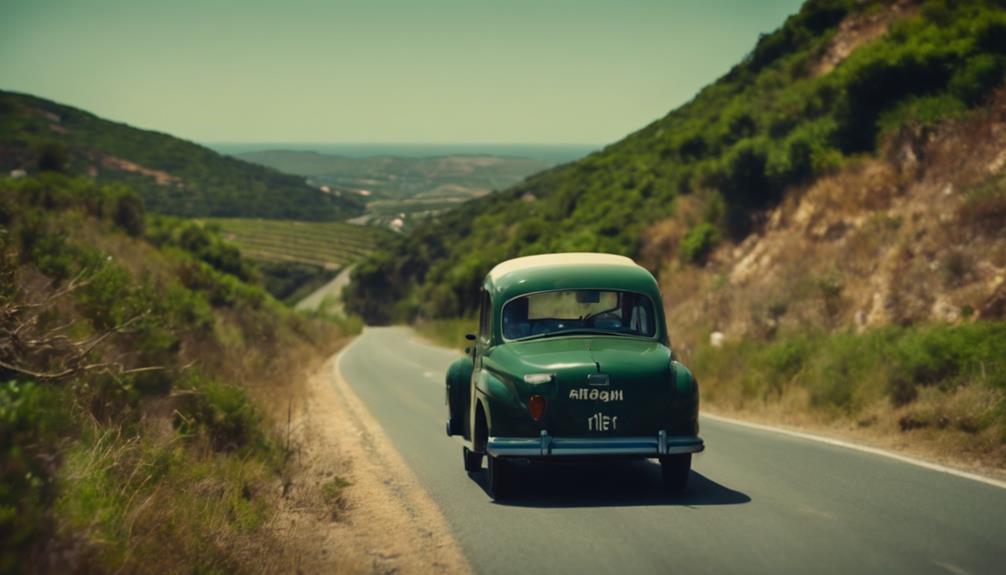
point(484, 315)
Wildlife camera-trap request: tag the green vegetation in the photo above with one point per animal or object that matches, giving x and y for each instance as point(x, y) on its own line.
point(698, 242)
point(294, 258)
point(936, 377)
point(331, 245)
point(132, 356)
point(172, 176)
point(776, 120)
point(449, 333)
point(291, 282)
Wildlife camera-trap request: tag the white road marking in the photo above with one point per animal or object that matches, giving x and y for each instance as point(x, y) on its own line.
point(863, 448)
point(950, 567)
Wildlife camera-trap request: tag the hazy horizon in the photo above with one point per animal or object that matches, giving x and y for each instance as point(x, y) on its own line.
point(551, 152)
point(575, 72)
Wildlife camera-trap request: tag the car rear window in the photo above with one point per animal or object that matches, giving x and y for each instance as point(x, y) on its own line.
point(578, 311)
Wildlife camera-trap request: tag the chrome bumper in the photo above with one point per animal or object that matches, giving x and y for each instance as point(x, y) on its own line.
point(546, 445)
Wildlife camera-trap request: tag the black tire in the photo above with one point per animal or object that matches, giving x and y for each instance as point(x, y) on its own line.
point(473, 460)
point(499, 478)
point(675, 469)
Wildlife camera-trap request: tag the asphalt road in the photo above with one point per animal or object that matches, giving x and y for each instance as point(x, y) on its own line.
point(758, 501)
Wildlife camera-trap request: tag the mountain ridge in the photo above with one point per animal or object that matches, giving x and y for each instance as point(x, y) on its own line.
point(172, 175)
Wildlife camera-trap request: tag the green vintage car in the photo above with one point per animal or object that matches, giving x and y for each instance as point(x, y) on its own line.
point(571, 360)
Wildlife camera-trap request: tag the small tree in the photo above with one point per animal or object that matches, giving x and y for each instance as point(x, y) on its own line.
point(129, 214)
point(52, 157)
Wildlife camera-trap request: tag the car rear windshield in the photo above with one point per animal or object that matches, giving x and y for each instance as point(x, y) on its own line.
point(550, 313)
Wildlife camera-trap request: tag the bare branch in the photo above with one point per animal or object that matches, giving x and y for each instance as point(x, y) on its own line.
point(25, 347)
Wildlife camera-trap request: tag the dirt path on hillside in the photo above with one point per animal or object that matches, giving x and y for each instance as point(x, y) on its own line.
point(383, 522)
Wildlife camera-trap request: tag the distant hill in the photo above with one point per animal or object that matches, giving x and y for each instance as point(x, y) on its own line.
point(393, 185)
point(549, 153)
point(172, 176)
point(814, 97)
point(393, 176)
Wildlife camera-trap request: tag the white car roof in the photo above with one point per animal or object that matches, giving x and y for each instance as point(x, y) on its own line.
point(558, 260)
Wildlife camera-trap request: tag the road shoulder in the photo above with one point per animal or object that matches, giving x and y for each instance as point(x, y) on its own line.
point(384, 521)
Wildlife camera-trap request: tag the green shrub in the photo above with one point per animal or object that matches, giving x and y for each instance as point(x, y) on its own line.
point(106, 296)
point(32, 418)
point(129, 214)
point(52, 157)
point(699, 242)
point(223, 414)
point(845, 372)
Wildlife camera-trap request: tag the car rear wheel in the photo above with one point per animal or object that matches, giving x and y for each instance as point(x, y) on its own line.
point(676, 469)
point(473, 460)
point(499, 477)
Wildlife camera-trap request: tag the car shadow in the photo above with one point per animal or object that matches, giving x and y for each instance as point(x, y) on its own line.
point(611, 484)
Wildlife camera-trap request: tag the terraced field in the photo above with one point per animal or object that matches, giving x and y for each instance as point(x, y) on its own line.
point(331, 245)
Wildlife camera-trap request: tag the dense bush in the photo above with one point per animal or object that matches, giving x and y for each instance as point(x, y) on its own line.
point(698, 242)
point(32, 418)
point(292, 281)
point(222, 413)
point(107, 338)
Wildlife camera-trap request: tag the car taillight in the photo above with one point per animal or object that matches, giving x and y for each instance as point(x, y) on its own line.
point(536, 405)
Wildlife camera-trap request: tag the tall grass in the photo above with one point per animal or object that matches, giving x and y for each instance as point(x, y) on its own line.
point(847, 375)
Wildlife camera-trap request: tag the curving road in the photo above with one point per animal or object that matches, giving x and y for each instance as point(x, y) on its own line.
point(758, 501)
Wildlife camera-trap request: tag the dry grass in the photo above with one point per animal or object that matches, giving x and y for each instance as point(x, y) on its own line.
point(936, 427)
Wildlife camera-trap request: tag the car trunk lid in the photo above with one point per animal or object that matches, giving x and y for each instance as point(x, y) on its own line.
point(604, 386)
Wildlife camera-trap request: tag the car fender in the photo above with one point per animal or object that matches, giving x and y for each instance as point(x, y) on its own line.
point(495, 394)
point(684, 381)
point(458, 393)
point(685, 403)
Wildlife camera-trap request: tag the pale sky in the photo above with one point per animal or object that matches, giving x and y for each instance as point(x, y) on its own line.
point(439, 71)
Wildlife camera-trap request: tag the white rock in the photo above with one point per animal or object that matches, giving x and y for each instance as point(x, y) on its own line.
point(716, 339)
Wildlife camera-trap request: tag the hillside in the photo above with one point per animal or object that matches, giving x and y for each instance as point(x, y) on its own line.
point(414, 186)
point(330, 245)
point(827, 223)
point(296, 258)
point(172, 176)
point(139, 374)
point(812, 98)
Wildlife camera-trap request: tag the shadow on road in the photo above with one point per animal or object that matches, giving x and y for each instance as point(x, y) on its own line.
point(606, 485)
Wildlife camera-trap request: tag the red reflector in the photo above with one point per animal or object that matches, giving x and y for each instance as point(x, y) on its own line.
point(536, 405)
